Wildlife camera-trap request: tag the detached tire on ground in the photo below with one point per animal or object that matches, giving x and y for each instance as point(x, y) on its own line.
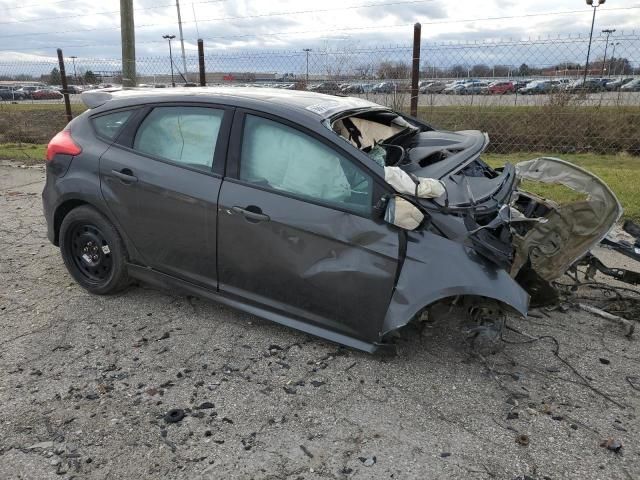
point(93, 251)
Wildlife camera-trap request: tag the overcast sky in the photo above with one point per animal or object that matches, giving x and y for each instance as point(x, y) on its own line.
point(32, 29)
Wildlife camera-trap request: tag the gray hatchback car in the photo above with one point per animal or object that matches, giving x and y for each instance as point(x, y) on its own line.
point(273, 202)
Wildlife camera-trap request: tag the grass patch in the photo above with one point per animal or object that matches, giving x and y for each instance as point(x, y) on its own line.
point(33, 123)
point(621, 172)
point(545, 128)
point(76, 108)
point(28, 153)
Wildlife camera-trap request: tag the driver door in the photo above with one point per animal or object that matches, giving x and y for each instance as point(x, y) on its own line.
point(296, 233)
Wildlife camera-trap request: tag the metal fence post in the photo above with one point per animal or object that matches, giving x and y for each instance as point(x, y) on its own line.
point(65, 91)
point(203, 79)
point(415, 69)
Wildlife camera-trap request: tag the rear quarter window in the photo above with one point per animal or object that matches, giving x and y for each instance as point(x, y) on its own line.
point(111, 124)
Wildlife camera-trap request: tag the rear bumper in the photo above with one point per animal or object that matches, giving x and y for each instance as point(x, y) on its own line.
point(48, 208)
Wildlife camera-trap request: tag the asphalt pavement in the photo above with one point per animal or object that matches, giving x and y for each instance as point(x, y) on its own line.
point(149, 384)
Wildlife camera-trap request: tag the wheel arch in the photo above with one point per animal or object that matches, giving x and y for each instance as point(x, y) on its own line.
point(427, 302)
point(436, 268)
point(62, 211)
point(71, 203)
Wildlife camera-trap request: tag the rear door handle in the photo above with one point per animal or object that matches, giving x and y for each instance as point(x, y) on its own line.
point(251, 215)
point(125, 175)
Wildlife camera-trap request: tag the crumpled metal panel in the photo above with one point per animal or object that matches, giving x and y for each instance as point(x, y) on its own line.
point(572, 228)
point(436, 268)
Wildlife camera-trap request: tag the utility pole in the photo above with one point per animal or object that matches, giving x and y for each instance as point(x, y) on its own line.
point(184, 58)
point(128, 38)
point(307, 50)
point(608, 31)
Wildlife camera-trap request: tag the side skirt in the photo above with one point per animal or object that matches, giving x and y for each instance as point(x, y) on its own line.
point(167, 282)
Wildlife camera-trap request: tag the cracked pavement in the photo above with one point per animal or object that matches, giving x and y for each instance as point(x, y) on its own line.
point(87, 382)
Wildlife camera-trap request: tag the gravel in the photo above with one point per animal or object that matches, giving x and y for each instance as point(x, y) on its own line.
point(88, 382)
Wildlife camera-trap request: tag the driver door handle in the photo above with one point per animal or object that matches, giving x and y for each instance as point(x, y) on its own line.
point(251, 215)
point(125, 175)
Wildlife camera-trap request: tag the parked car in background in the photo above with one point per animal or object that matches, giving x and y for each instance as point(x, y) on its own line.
point(74, 89)
point(9, 94)
point(46, 94)
point(28, 90)
point(591, 85)
point(520, 84)
point(385, 87)
point(433, 87)
point(475, 87)
point(330, 88)
point(536, 87)
point(455, 87)
point(326, 87)
point(501, 88)
point(352, 88)
point(632, 86)
point(616, 84)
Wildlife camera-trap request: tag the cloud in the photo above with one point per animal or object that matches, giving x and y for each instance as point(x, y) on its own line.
point(406, 13)
point(89, 35)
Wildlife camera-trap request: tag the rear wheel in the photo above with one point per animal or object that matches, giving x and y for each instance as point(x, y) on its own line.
point(93, 251)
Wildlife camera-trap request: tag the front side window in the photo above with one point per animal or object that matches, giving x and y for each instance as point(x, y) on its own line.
point(284, 159)
point(185, 135)
point(109, 125)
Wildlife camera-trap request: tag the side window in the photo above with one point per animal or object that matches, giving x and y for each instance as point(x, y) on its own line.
point(109, 125)
point(279, 157)
point(185, 135)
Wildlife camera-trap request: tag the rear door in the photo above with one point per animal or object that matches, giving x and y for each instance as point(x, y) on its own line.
point(161, 181)
point(296, 231)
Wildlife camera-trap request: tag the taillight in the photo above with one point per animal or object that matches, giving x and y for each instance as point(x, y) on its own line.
point(62, 143)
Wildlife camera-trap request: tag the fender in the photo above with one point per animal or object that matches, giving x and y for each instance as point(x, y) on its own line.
point(79, 186)
point(437, 268)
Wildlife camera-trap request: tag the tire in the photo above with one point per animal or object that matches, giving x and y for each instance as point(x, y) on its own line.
point(93, 251)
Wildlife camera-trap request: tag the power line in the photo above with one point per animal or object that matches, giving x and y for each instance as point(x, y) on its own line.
point(39, 4)
point(155, 7)
point(274, 14)
point(437, 22)
point(285, 33)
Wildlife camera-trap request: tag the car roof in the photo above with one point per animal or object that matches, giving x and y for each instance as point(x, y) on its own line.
point(312, 104)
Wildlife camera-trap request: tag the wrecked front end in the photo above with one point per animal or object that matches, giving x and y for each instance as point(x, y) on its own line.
point(473, 230)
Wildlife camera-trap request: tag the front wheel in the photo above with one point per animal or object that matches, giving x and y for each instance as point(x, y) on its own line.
point(93, 251)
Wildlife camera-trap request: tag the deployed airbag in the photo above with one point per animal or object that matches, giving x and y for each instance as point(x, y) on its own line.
point(405, 183)
point(403, 214)
point(289, 160)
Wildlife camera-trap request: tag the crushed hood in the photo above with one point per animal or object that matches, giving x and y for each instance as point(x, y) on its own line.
point(436, 153)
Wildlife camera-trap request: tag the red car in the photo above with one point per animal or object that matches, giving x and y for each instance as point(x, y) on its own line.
point(501, 88)
point(46, 94)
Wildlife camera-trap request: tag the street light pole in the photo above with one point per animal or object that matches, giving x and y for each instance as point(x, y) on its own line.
point(75, 77)
point(307, 50)
point(608, 31)
point(593, 21)
point(169, 38)
point(613, 54)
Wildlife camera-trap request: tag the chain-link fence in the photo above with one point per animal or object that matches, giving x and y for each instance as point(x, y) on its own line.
point(536, 95)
